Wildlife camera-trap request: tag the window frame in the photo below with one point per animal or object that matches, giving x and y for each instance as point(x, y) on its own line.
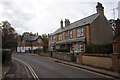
point(81, 31)
point(71, 34)
point(78, 32)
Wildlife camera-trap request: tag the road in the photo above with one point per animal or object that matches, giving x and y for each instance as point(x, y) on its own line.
point(47, 68)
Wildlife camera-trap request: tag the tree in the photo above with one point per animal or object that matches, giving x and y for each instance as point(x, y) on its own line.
point(9, 36)
point(45, 40)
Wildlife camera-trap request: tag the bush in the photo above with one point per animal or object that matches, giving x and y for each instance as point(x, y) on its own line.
point(37, 51)
point(5, 53)
point(62, 50)
point(102, 49)
point(73, 57)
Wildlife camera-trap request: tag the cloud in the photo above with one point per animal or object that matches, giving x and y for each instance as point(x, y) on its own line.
point(43, 16)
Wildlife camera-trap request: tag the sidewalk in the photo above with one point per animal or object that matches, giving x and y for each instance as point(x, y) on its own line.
point(97, 70)
point(18, 71)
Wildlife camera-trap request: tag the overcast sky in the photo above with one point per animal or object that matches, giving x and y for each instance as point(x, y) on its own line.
point(43, 16)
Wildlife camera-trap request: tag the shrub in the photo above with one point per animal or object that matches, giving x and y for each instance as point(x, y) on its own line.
point(73, 57)
point(5, 53)
point(62, 50)
point(37, 51)
point(102, 49)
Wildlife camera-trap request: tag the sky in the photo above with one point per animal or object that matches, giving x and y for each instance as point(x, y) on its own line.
point(44, 16)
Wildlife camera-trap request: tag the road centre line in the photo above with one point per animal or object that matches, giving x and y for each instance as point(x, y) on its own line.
point(30, 68)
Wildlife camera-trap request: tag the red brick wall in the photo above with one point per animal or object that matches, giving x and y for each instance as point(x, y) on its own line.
point(35, 43)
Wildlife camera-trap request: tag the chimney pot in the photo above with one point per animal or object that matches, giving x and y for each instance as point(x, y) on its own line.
point(100, 8)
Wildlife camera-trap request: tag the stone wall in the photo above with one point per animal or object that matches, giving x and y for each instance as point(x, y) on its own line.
point(62, 56)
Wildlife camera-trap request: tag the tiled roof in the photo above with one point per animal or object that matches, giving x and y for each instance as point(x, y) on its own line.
point(82, 22)
point(30, 38)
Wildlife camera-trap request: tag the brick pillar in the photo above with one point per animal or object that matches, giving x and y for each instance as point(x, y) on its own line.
point(80, 58)
point(115, 62)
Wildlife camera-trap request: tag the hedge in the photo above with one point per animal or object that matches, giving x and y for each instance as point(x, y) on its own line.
point(99, 49)
point(62, 50)
point(5, 53)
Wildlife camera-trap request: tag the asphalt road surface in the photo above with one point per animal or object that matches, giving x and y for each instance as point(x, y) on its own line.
point(47, 68)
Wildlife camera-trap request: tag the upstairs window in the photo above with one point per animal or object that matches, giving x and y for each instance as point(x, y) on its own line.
point(81, 32)
point(71, 34)
point(53, 38)
point(78, 32)
point(39, 41)
point(22, 41)
point(66, 35)
point(60, 36)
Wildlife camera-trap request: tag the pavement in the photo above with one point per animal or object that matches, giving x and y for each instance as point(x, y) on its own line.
point(18, 71)
point(46, 67)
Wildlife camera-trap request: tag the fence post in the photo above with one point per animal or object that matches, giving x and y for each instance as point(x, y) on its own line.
point(115, 62)
point(80, 58)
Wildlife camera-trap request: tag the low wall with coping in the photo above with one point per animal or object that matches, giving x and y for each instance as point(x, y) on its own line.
point(62, 56)
point(44, 54)
point(103, 62)
point(106, 61)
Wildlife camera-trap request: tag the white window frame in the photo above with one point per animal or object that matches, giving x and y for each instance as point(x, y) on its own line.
point(60, 36)
point(81, 32)
point(71, 34)
point(79, 47)
point(78, 32)
point(39, 41)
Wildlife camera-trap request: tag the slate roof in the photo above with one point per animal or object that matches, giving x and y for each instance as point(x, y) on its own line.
point(81, 22)
point(30, 38)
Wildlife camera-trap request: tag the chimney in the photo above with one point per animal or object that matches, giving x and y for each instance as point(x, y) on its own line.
point(117, 30)
point(67, 22)
point(61, 23)
point(37, 33)
point(100, 8)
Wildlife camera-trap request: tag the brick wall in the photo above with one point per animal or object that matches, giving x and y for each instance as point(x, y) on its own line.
point(111, 62)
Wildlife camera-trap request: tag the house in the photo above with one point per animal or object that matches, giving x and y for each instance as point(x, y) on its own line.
point(29, 43)
point(94, 29)
point(116, 44)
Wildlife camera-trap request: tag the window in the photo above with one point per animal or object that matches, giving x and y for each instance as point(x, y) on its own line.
point(54, 38)
point(60, 36)
point(66, 35)
point(79, 47)
point(78, 32)
point(81, 32)
point(75, 47)
point(39, 41)
point(71, 34)
point(22, 41)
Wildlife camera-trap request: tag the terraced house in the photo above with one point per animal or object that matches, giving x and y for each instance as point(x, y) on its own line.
point(93, 29)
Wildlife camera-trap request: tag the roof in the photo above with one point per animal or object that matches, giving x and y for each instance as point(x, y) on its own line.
point(30, 37)
point(81, 22)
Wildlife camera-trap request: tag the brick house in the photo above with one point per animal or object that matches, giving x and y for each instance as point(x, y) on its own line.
point(116, 44)
point(93, 29)
point(29, 43)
